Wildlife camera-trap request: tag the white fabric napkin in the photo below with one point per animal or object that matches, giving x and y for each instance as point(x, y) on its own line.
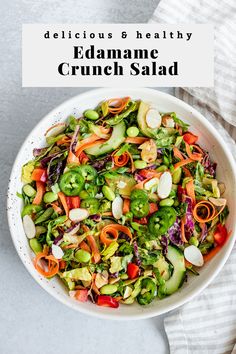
point(207, 325)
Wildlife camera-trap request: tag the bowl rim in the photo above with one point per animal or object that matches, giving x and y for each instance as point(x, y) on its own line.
point(181, 301)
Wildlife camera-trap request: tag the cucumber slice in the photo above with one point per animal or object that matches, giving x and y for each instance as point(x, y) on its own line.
point(117, 138)
point(176, 257)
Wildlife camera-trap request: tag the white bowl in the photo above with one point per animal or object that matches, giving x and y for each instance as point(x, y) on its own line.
point(209, 139)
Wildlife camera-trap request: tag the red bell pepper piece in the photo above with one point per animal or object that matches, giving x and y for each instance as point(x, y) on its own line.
point(148, 173)
point(152, 208)
point(73, 202)
point(190, 138)
point(39, 174)
point(107, 301)
point(141, 221)
point(132, 270)
point(81, 295)
point(220, 235)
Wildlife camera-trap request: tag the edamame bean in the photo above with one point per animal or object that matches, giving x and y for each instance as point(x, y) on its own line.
point(132, 132)
point(45, 216)
point(139, 164)
point(176, 176)
point(108, 289)
point(108, 193)
point(194, 241)
point(166, 202)
point(35, 245)
point(91, 114)
point(162, 168)
point(29, 190)
point(82, 256)
point(50, 197)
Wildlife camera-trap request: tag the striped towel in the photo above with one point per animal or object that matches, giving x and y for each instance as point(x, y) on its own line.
point(207, 325)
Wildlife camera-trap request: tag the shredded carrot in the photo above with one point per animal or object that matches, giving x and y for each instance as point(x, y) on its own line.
point(116, 105)
point(207, 257)
point(93, 245)
point(68, 247)
point(64, 140)
point(83, 158)
point(150, 173)
point(83, 245)
point(136, 140)
point(126, 206)
point(207, 206)
point(187, 172)
point(196, 147)
point(193, 155)
point(94, 248)
point(56, 208)
point(87, 145)
point(177, 153)
point(183, 163)
point(62, 198)
point(187, 264)
point(53, 264)
point(107, 213)
point(132, 162)
point(72, 158)
point(112, 230)
point(121, 160)
point(211, 211)
point(94, 286)
point(140, 185)
point(108, 235)
point(62, 264)
point(40, 186)
point(183, 238)
point(190, 191)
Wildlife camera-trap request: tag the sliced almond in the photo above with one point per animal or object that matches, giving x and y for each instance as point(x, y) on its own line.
point(57, 251)
point(55, 130)
point(151, 183)
point(29, 226)
point(117, 207)
point(78, 214)
point(153, 118)
point(165, 185)
point(194, 256)
point(218, 202)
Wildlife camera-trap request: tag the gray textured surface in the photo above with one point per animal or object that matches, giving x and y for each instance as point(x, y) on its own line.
point(30, 320)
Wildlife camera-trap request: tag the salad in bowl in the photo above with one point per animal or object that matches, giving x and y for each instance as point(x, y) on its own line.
point(122, 204)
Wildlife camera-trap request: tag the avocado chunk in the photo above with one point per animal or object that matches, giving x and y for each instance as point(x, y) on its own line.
point(117, 138)
point(141, 118)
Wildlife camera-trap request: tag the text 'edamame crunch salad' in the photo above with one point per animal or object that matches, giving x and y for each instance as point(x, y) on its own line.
point(122, 203)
